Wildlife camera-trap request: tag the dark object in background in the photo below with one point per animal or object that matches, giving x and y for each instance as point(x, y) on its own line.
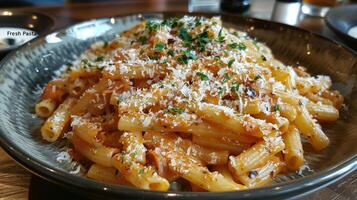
point(21, 3)
point(286, 11)
point(341, 20)
point(235, 6)
point(39, 23)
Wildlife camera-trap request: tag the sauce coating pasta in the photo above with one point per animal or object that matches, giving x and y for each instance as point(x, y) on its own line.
point(186, 98)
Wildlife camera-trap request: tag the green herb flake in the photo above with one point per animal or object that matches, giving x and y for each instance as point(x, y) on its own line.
point(175, 110)
point(202, 76)
point(182, 60)
point(220, 36)
point(263, 58)
point(276, 107)
point(143, 40)
point(183, 34)
point(239, 46)
point(226, 77)
point(187, 55)
point(226, 53)
point(202, 40)
point(197, 21)
point(159, 46)
point(257, 77)
point(86, 63)
point(99, 59)
point(235, 87)
point(221, 91)
point(141, 171)
point(172, 22)
point(230, 62)
point(217, 57)
point(152, 26)
point(171, 52)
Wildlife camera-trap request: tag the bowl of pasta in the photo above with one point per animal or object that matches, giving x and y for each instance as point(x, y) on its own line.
point(181, 106)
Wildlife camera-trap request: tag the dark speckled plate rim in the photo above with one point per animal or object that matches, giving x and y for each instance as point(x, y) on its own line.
point(293, 188)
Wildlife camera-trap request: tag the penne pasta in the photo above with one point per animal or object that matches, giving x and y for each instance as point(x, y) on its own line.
point(185, 100)
point(293, 153)
point(45, 108)
point(96, 153)
point(56, 125)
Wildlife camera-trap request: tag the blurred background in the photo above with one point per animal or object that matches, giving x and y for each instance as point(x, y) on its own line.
point(44, 16)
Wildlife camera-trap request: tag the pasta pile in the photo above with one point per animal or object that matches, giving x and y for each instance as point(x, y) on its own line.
point(187, 99)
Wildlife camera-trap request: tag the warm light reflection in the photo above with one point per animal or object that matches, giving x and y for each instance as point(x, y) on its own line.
point(30, 25)
point(34, 17)
point(7, 13)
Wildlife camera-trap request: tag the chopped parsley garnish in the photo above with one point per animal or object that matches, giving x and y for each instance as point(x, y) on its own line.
point(143, 40)
point(202, 76)
point(257, 77)
point(159, 46)
point(86, 63)
point(217, 57)
point(230, 62)
point(202, 40)
point(99, 59)
point(226, 53)
point(239, 46)
point(142, 170)
point(187, 55)
point(276, 107)
point(172, 22)
point(263, 58)
point(183, 34)
point(235, 33)
point(176, 110)
point(226, 77)
point(197, 21)
point(152, 26)
point(171, 52)
point(235, 87)
point(220, 36)
point(221, 91)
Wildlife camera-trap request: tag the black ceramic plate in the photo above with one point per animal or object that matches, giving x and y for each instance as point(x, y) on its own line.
point(30, 67)
point(341, 20)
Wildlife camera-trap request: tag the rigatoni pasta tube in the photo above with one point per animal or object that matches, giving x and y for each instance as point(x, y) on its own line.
point(293, 153)
point(45, 108)
point(103, 174)
point(255, 156)
point(96, 153)
point(58, 122)
point(263, 175)
point(199, 175)
point(139, 175)
point(309, 128)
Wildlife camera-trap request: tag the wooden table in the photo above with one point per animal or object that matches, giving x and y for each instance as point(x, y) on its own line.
point(15, 181)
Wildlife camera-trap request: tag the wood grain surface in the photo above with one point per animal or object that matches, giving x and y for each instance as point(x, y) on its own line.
point(15, 181)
